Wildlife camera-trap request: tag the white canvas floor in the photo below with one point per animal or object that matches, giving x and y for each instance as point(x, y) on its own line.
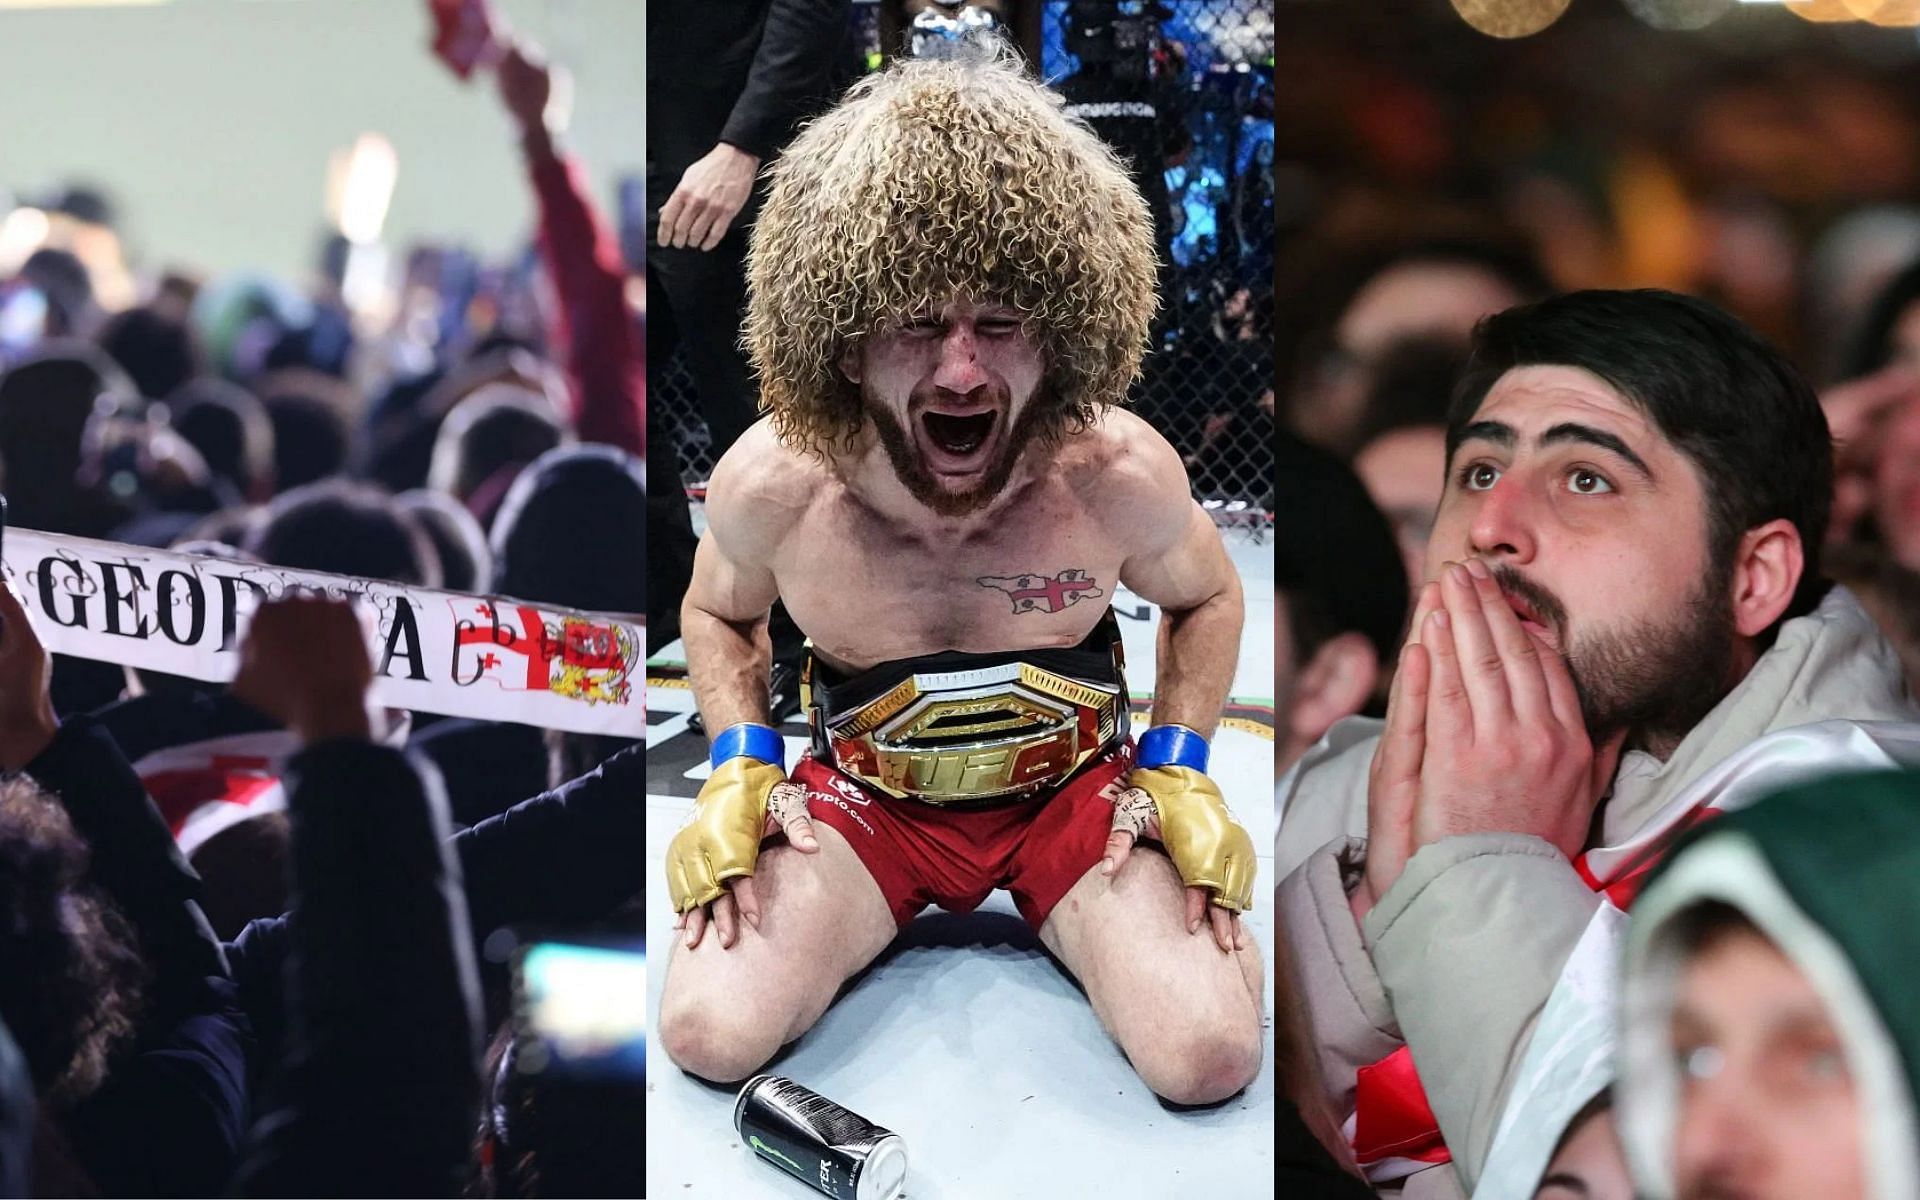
point(966, 1038)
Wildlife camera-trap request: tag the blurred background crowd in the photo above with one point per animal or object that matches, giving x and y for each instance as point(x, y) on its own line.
point(399, 400)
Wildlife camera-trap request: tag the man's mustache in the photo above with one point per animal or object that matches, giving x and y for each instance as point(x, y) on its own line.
point(1544, 603)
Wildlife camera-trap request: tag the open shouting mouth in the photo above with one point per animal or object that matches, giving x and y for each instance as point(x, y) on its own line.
point(958, 443)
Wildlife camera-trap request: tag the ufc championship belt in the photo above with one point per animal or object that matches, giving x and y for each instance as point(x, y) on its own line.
point(957, 729)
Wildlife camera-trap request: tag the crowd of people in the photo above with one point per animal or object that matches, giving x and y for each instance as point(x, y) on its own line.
point(1599, 610)
point(309, 995)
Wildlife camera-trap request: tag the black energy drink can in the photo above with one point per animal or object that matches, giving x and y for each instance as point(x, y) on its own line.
point(832, 1149)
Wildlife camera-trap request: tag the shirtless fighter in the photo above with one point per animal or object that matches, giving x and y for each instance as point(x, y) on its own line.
point(950, 286)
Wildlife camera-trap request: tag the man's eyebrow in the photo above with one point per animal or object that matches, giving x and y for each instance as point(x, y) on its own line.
point(1498, 432)
point(1572, 1183)
point(1568, 431)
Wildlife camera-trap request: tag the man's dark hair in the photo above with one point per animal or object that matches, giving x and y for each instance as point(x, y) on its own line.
point(348, 529)
point(1872, 346)
point(230, 428)
point(312, 416)
point(70, 971)
point(1339, 565)
point(157, 351)
point(1731, 403)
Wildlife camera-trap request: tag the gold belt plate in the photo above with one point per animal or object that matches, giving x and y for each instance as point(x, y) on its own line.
point(975, 734)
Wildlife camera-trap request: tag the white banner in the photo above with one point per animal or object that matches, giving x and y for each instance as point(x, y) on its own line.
point(491, 658)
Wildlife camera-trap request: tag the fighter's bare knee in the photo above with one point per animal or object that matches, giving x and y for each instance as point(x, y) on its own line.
point(1202, 1066)
point(721, 1043)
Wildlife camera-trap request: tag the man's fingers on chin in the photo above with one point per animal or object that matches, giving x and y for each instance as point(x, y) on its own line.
point(1196, 908)
point(696, 925)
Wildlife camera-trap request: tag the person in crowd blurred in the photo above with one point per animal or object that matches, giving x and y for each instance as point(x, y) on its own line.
point(47, 404)
point(743, 74)
point(487, 439)
point(466, 564)
point(344, 528)
point(1433, 290)
point(1768, 1044)
point(381, 998)
point(1890, 593)
point(310, 424)
point(1624, 623)
point(231, 429)
point(1343, 598)
point(1403, 448)
point(159, 353)
point(112, 982)
point(1587, 1164)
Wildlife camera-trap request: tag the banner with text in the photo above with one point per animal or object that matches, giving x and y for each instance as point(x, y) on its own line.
point(491, 658)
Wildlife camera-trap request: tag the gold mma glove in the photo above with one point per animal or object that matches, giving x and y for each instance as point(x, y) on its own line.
point(1208, 847)
point(721, 839)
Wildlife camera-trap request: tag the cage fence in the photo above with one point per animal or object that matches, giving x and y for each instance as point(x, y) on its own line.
point(1207, 382)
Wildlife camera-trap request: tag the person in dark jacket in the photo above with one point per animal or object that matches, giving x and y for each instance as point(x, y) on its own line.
point(742, 75)
point(381, 996)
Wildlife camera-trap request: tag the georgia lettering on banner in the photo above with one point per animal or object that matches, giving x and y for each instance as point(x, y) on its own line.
point(433, 651)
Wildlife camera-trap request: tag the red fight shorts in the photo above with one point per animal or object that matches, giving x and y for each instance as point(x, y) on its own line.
point(923, 854)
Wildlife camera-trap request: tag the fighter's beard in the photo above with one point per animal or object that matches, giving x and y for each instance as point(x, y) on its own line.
point(1655, 681)
point(920, 482)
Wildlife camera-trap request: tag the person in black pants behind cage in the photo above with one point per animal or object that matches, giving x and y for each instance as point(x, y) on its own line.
point(734, 78)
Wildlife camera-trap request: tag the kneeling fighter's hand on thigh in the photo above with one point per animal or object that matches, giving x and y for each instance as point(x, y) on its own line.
point(747, 798)
point(1169, 798)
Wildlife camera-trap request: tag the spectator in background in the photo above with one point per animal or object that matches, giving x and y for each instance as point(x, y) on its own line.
point(1343, 598)
point(311, 422)
point(233, 433)
point(347, 529)
point(66, 294)
point(381, 995)
point(1435, 289)
point(487, 439)
point(743, 74)
point(158, 352)
point(1768, 1037)
point(46, 405)
point(466, 565)
point(1403, 458)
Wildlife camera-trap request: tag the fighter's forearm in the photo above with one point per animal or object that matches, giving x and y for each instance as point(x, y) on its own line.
point(729, 664)
point(1197, 651)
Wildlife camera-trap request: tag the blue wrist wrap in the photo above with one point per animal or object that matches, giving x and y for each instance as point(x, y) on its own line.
point(1172, 746)
point(753, 741)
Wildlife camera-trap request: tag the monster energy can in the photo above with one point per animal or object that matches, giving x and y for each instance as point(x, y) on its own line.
point(835, 1151)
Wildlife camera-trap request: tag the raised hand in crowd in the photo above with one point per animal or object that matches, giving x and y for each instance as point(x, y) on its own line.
point(536, 95)
point(27, 720)
point(1484, 734)
point(1856, 412)
point(305, 664)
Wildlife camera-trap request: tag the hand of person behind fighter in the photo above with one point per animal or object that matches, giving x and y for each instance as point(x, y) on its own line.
point(708, 197)
point(747, 798)
point(1168, 797)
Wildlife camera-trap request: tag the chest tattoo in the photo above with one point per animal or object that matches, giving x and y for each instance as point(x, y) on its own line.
point(1044, 593)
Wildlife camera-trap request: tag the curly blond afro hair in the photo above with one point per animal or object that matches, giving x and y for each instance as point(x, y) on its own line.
point(937, 181)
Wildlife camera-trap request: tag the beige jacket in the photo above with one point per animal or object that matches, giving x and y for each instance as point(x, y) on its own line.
point(1462, 952)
